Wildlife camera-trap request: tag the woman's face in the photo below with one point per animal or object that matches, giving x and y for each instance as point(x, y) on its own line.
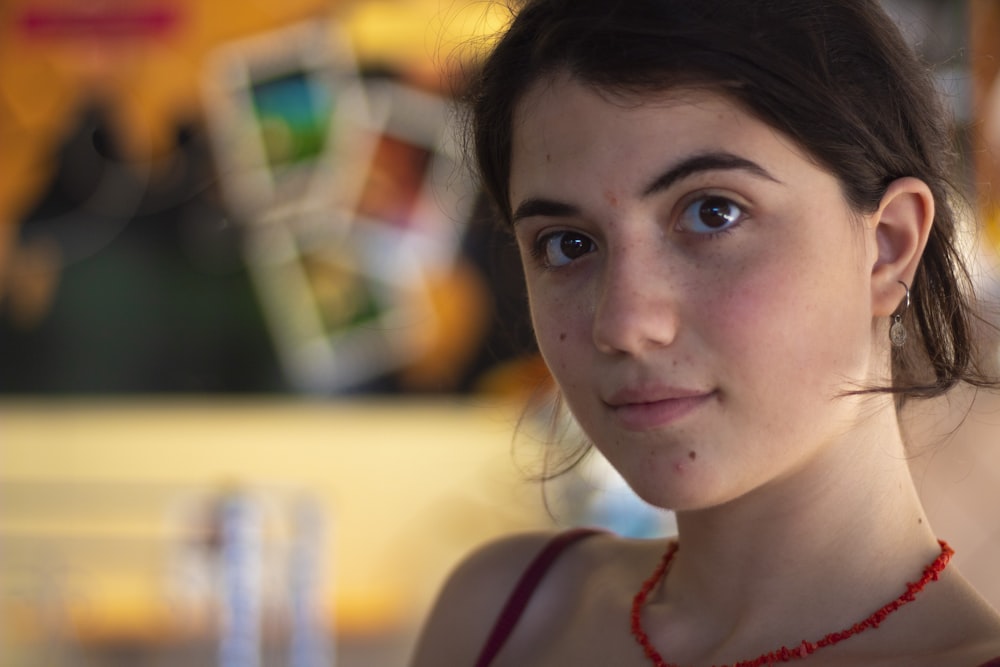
point(699, 288)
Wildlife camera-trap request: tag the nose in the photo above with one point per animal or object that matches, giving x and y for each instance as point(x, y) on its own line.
point(636, 307)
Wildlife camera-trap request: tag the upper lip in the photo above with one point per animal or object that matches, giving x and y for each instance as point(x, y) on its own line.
point(650, 394)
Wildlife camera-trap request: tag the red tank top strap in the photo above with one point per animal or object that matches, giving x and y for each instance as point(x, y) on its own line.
point(525, 588)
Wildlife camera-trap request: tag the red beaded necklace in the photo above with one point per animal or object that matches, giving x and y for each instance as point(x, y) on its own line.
point(785, 654)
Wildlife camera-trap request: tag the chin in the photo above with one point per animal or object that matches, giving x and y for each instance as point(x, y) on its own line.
point(682, 488)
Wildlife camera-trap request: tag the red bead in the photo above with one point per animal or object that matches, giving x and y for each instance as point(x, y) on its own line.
point(806, 648)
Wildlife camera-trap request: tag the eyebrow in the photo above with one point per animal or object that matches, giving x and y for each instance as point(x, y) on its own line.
point(545, 208)
point(700, 162)
point(712, 161)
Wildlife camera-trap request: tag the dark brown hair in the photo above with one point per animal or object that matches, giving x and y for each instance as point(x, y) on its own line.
point(835, 75)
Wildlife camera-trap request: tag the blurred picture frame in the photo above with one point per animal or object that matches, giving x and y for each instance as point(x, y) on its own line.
point(283, 110)
point(415, 182)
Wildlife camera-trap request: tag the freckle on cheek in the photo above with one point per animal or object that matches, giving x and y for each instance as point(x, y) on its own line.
point(562, 336)
point(692, 455)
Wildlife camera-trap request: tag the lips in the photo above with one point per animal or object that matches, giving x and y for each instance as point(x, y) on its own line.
point(646, 409)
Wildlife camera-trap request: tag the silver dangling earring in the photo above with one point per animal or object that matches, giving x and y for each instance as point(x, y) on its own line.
point(897, 332)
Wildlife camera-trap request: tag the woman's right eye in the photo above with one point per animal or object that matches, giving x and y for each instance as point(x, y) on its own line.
point(560, 248)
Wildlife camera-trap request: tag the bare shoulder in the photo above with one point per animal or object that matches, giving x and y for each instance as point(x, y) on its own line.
point(961, 624)
point(473, 596)
point(471, 599)
point(980, 621)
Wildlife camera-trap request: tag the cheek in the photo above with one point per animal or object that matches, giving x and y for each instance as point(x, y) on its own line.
point(760, 312)
point(561, 332)
point(788, 328)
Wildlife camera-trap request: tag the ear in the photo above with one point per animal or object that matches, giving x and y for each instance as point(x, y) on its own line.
point(901, 224)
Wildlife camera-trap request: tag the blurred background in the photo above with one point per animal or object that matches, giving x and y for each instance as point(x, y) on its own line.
point(264, 359)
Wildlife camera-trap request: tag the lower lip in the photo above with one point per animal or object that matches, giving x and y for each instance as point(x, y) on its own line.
point(657, 414)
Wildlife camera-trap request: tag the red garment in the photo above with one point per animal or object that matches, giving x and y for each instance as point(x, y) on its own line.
point(525, 588)
point(526, 585)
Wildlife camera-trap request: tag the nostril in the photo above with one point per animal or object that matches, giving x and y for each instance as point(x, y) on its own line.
point(634, 324)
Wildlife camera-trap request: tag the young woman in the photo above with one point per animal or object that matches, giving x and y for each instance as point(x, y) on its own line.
point(737, 232)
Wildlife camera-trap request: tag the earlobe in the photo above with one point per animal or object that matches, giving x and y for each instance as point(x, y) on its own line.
point(902, 225)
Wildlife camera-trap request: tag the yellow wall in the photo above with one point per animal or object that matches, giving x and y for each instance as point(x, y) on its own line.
point(406, 490)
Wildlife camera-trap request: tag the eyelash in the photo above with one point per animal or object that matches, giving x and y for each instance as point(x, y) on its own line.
point(720, 201)
point(538, 249)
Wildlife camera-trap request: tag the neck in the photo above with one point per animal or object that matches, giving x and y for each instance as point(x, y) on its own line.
point(848, 520)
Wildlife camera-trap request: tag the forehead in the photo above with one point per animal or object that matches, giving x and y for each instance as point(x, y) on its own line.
point(563, 128)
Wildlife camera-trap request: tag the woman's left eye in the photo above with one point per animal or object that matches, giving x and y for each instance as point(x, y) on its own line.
point(710, 215)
